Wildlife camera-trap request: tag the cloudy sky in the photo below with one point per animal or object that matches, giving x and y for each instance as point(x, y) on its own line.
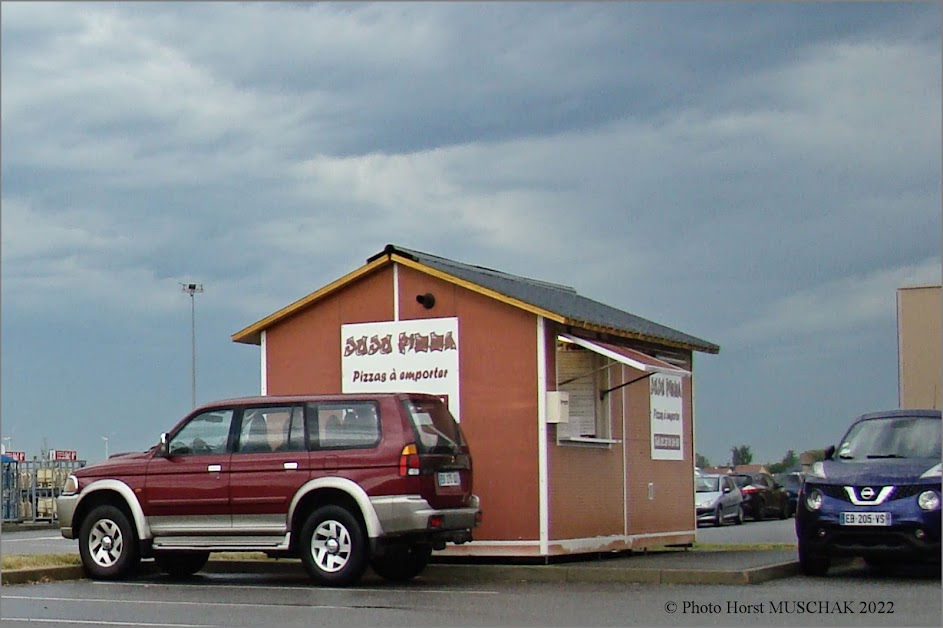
point(763, 176)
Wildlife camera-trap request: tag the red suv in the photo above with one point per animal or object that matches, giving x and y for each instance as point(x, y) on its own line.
point(341, 481)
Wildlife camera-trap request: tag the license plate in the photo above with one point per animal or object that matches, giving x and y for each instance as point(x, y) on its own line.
point(866, 518)
point(449, 478)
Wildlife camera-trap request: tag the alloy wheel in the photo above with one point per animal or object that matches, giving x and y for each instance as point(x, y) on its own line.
point(105, 542)
point(331, 546)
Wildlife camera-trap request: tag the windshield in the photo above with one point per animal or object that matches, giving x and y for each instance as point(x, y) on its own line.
point(742, 480)
point(791, 480)
point(892, 437)
point(434, 426)
point(707, 485)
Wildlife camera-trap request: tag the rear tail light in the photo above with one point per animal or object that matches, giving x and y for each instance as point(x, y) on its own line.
point(748, 489)
point(435, 521)
point(409, 460)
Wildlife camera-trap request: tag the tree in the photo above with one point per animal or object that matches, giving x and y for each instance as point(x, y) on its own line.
point(815, 455)
point(701, 462)
point(741, 455)
point(789, 462)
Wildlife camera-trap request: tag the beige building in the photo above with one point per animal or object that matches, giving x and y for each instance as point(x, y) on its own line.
point(919, 346)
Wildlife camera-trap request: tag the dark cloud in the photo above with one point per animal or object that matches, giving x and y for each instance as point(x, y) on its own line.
point(762, 175)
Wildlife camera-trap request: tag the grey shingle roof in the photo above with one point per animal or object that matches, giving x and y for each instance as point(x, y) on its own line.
point(561, 300)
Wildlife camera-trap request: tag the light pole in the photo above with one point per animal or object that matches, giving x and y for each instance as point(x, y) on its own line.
point(191, 289)
point(105, 438)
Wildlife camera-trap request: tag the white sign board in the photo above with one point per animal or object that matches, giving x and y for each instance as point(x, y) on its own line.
point(667, 423)
point(402, 356)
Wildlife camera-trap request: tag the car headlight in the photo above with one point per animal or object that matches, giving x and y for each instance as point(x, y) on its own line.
point(934, 471)
point(928, 500)
point(813, 501)
point(707, 503)
point(71, 486)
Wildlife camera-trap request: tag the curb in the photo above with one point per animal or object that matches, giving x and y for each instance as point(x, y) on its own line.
point(42, 574)
point(593, 575)
point(470, 573)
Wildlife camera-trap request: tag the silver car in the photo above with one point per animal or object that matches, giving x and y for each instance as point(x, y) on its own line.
point(717, 500)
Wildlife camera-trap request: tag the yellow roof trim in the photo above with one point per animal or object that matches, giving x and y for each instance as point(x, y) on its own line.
point(634, 335)
point(252, 334)
point(468, 285)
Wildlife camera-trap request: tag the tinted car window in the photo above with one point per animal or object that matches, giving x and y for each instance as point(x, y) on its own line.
point(707, 485)
point(343, 425)
point(205, 434)
point(271, 429)
point(742, 480)
point(434, 425)
point(892, 437)
point(789, 480)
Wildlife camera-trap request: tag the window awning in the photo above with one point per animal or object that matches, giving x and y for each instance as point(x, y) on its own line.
point(629, 357)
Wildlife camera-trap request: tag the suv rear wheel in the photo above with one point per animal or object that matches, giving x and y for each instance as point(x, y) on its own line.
point(107, 543)
point(333, 546)
point(177, 564)
point(402, 562)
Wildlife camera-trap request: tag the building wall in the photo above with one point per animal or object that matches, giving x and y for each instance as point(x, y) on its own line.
point(498, 389)
point(587, 481)
point(919, 341)
point(303, 352)
point(671, 506)
point(599, 492)
point(593, 492)
point(498, 380)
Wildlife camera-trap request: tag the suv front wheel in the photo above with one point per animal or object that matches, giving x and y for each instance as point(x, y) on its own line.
point(333, 546)
point(107, 543)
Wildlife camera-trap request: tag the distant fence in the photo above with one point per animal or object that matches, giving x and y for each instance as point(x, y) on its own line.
point(30, 488)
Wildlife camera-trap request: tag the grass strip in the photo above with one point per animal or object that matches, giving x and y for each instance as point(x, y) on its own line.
point(32, 561)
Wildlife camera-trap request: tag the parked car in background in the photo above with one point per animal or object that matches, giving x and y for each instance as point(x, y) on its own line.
point(791, 483)
point(762, 496)
point(877, 496)
point(717, 500)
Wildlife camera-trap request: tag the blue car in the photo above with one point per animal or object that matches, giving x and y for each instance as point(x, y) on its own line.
point(877, 496)
point(791, 483)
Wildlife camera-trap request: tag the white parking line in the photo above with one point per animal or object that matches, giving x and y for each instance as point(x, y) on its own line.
point(110, 600)
point(38, 538)
point(284, 588)
point(98, 622)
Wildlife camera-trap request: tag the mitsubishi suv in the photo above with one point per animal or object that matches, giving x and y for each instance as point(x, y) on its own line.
point(342, 482)
point(877, 496)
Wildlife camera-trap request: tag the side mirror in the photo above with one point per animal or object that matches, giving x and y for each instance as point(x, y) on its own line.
point(162, 448)
point(726, 489)
point(830, 452)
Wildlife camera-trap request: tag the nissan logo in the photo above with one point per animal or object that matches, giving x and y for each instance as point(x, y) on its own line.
point(867, 493)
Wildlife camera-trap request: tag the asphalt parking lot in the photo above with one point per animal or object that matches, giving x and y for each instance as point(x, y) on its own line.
point(678, 566)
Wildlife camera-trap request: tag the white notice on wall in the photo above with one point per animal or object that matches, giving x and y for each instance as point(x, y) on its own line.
point(667, 424)
point(402, 356)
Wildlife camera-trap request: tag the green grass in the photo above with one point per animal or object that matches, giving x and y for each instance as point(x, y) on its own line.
point(31, 561)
